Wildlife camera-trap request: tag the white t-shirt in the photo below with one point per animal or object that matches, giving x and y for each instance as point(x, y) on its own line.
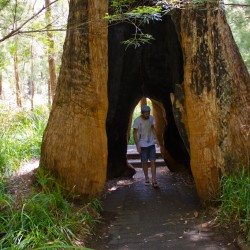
point(145, 133)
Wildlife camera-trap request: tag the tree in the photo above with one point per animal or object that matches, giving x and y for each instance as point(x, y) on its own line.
point(74, 144)
point(217, 102)
point(30, 31)
point(1, 85)
point(17, 78)
point(32, 82)
point(51, 54)
point(205, 82)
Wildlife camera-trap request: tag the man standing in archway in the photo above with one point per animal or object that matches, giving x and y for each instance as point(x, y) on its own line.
point(145, 136)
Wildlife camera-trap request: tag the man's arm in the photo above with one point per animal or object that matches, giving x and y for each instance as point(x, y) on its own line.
point(155, 136)
point(135, 131)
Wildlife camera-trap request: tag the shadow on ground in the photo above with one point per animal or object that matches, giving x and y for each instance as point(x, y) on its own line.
point(170, 217)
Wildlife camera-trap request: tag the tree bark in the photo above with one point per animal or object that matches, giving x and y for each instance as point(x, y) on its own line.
point(51, 53)
point(160, 126)
point(18, 87)
point(143, 101)
point(217, 101)
point(1, 85)
point(32, 83)
point(74, 144)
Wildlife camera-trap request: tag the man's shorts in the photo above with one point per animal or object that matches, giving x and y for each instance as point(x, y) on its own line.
point(148, 153)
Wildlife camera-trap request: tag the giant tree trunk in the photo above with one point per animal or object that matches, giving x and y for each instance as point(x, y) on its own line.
point(74, 145)
point(217, 103)
point(202, 72)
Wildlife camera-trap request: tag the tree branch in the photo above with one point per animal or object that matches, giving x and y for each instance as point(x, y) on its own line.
point(237, 4)
point(17, 30)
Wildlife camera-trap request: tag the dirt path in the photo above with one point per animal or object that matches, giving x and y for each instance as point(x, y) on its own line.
point(141, 217)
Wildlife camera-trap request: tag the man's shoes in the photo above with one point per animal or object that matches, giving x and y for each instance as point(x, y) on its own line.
point(155, 185)
point(147, 183)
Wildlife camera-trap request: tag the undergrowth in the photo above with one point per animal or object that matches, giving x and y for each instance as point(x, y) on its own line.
point(235, 201)
point(21, 134)
point(45, 219)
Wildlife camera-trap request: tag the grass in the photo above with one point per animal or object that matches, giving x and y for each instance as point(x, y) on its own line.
point(235, 200)
point(45, 219)
point(21, 134)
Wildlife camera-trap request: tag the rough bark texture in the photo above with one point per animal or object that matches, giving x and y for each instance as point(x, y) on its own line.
point(195, 71)
point(216, 107)
point(161, 125)
point(74, 145)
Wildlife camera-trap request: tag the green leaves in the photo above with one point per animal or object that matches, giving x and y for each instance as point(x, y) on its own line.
point(145, 14)
point(128, 11)
point(138, 40)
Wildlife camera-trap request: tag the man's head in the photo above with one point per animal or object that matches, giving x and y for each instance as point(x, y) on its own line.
point(145, 111)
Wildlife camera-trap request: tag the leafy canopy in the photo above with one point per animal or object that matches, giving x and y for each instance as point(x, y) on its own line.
point(141, 12)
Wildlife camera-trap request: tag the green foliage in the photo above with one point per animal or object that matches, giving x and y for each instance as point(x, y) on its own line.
point(138, 40)
point(132, 12)
point(21, 134)
point(238, 19)
point(44, 220)
point(235, 200)
point(145, 14)
point(139, 13)
point(3, 4)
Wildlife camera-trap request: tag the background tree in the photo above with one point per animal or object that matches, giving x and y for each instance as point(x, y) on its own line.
point(51, 53)
point(33, 32)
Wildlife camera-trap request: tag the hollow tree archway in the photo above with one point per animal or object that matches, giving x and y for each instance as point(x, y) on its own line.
point(200, 78)
point(149, 71)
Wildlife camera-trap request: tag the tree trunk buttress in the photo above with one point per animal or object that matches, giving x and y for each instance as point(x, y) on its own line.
point(74, 144)
point(217, 103)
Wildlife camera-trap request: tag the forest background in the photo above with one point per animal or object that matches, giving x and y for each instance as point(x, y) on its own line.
point(32, 34)
point(31, 45)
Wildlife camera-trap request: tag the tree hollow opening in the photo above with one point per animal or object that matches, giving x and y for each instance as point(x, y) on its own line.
point(154, 71)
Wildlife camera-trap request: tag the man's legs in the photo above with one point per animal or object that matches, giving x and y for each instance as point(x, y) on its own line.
point(149, 153)
point(152, 158)
point(144, 161)
point(153, 171)
point(145, 171)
